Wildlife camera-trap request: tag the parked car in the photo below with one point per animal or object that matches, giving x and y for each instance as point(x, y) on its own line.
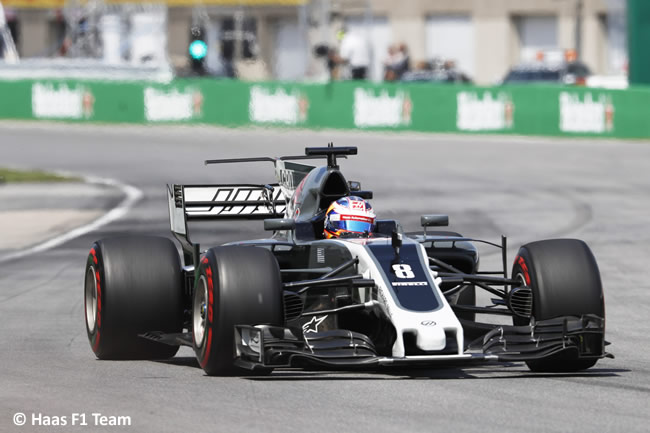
point(436, 70)
point(567, 73)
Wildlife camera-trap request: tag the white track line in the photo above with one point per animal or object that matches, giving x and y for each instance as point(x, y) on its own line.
point(132, 193)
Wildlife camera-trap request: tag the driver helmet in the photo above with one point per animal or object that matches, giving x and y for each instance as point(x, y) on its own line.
point(349, 217)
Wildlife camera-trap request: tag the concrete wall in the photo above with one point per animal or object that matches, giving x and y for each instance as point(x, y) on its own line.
point(34, 32)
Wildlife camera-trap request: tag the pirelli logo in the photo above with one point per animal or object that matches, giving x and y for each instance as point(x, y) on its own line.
point(411, 283)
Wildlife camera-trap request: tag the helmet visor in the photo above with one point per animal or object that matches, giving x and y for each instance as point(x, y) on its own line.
point(353, 223)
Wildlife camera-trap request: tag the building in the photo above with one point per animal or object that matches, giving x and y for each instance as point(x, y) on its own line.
point(275, 38)
point(487, 37)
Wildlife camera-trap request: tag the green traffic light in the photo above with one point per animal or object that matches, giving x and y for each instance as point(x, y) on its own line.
point(198, 49)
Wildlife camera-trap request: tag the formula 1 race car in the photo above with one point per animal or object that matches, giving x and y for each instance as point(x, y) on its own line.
point(298, 299)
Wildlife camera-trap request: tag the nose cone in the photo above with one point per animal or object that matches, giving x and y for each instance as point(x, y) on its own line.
point(429, 336)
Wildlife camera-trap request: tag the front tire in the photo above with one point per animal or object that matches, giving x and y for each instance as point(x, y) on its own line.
point(235, 286)
point(565, 281)
point(132, 285)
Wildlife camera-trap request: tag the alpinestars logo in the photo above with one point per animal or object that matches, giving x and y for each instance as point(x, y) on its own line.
point(312, 325)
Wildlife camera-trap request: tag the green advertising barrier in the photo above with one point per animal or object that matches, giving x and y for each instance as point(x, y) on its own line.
point(71, 100)
point(525, 109)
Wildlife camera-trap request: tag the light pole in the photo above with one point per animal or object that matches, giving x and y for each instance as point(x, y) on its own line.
point(578, 33)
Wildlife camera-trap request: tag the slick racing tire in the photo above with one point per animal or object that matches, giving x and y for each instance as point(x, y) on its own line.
point(132, 285)
point(235, 286)
point(565, 281)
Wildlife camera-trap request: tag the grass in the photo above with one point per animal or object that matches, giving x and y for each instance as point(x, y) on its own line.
point(15, 176)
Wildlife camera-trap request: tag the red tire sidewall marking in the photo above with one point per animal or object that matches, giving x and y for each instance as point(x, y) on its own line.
point(95, 336)
point(524, 268)
point(207, 342)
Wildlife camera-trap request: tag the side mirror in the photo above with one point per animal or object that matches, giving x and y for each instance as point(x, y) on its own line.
point(276, 224)
point(434, 220)
point(354, 185)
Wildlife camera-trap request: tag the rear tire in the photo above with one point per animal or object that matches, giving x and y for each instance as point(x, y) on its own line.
point(235, 286)
point(565, 281)
point(132, 285)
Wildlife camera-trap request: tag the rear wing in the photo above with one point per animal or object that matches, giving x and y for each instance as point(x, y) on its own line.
point(220, 202)
point(246, 201)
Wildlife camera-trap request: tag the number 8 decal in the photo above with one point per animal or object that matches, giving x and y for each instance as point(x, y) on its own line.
point(403, 271)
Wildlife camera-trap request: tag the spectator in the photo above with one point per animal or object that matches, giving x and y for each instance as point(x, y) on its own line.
point(405, 64)
point(355, 53)
point(437, 70)
point(397, 62)
point(455, 74)
point(390, 62)
point(322, 51)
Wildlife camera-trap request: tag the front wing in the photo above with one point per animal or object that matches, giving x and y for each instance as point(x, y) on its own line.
point(267, 347)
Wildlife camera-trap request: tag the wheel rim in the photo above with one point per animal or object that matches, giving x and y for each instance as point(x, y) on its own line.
point(521, 278)
point(91, 299)
point(200, 311)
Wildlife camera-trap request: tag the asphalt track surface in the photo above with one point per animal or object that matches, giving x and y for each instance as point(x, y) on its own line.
point(525, 187)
